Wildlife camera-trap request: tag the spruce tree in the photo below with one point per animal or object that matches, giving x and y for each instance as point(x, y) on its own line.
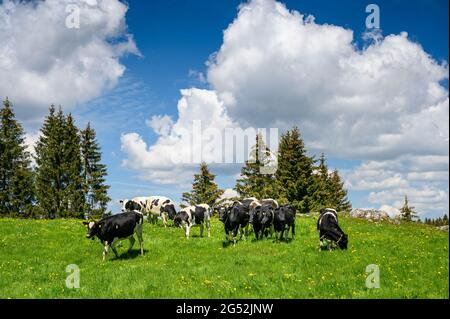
point(16, 177)
point(59, 185)
point(295, 170)
point(254, 181)
point(74, 200)
point(321, 189)
point(94, 173)
point(204, 189)
point(338, 193)
point(49, 160)
point(407, 212)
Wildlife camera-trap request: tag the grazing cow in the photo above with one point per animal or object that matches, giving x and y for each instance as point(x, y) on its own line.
point(197, 215)
point(152, 207)
point(160, 207)
point(329, 231)
point(115, 228)
point(235, 221)
point(283, 220)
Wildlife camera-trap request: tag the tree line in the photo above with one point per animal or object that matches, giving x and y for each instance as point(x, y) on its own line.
point(299, 179)
point(440, 221)
point(65, 176)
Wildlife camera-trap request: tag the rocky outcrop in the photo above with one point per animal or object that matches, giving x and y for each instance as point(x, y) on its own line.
point(443, 228)
point(370, 214)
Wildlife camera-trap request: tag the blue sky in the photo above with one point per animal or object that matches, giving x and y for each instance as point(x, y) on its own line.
point(176, 39)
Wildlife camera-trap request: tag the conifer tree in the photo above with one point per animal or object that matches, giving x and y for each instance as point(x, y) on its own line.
point(94, 173)
point(49, 160)
point(254, 180)
point(294, 173)
point(338, 193)
point(321, 189)
point(16, 177)
point(204, 189)
point(74, 200)
point(407, 212)
point(59, 185)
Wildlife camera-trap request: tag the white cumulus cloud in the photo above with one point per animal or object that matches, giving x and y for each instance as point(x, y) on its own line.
point(382, 104)
point(42, 61)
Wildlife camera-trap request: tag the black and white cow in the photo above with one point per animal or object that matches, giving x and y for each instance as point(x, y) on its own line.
point(110, 230)
point(153, 207)
point(235, 220)
point(284, 220)
point(160, 207)
point(196, 215)
point(329, 231)
point(221, 206)
point(137, 203)
point(256, 220)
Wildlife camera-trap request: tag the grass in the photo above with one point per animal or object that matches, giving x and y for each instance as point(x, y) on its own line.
point(413, 261)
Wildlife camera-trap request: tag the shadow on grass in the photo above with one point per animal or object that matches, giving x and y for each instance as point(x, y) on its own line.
point(130, 255)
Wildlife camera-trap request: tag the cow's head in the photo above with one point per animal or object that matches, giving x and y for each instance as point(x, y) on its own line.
point(223, 213)
point(92, 229)
point(256, 215)
point(343, 242)
point(267, 215)
point(170, 210)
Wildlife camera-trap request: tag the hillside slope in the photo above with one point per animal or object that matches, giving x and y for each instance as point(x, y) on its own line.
point(413, 262)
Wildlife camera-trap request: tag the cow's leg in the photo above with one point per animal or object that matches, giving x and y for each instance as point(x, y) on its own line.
point(164, 219)
point(234, 234)
point(201, 229)
point(105, 250)
point(113, 247)
point(187, 229)
point(140, 238)
point(132, 241)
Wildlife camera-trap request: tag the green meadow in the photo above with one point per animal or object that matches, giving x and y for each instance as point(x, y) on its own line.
point(413, 262)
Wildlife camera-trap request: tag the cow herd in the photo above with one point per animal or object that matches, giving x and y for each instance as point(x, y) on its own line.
point(262, 217)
